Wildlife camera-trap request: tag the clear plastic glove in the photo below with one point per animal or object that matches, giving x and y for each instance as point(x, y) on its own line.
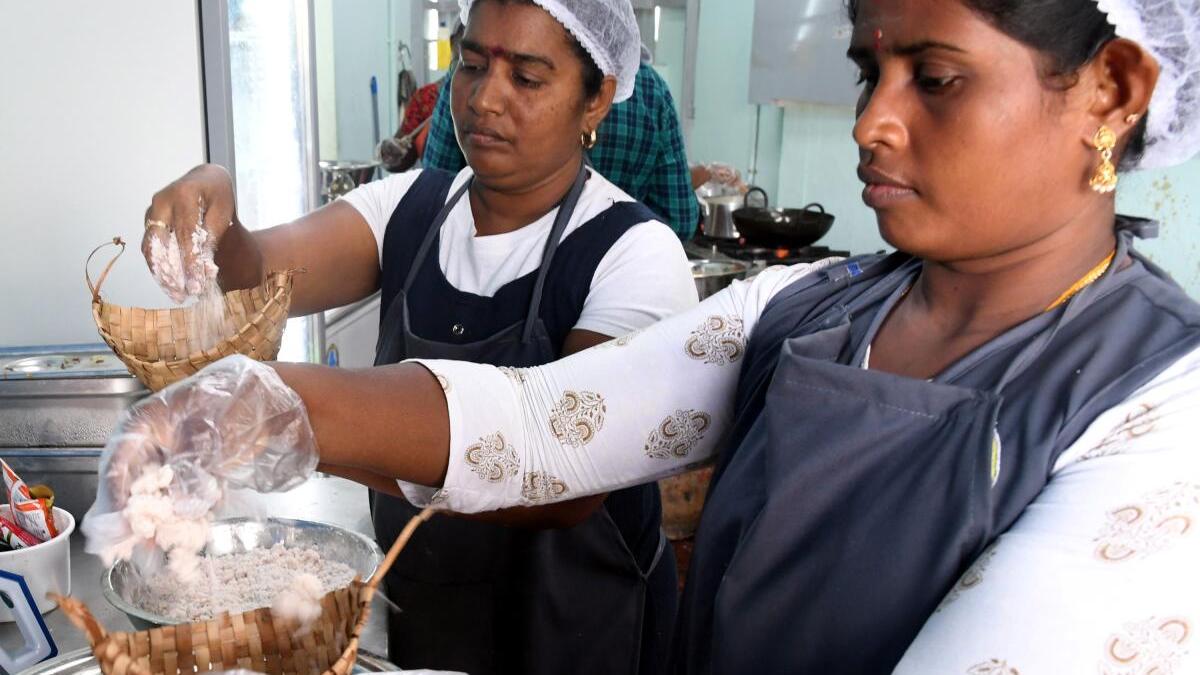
point(175, 454)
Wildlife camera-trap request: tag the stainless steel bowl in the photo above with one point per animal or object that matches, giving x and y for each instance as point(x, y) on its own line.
point(82, 662)
point(338, 178)
point(121, 582)
point(713, 275)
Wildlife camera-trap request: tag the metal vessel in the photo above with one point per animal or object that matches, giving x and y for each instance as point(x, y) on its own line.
point(713, 275)
point(121, 583)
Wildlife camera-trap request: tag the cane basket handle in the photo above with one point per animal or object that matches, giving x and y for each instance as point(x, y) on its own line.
point(95, 288)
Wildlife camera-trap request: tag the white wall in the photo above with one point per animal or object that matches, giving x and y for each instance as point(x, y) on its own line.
point(100, 105)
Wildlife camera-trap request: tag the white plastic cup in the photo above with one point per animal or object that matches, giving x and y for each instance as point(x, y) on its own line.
point(46, 567)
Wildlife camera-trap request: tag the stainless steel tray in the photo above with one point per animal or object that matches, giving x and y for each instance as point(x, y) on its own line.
point(83, 361)
point(62, 396)
point(81, 662)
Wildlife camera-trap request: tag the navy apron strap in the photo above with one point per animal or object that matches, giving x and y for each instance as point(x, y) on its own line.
point(432, 233)
point(565, 210)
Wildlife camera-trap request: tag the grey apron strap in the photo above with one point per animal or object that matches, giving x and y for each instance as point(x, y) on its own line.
point(432, 234)
point(565, 210)
point(1074, 307)
point(895, 285)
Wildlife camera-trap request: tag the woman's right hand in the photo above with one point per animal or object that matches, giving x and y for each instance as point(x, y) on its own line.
point(193, 213)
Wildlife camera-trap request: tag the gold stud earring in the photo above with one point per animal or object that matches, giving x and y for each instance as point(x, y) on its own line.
point(1105, 179)
point(588, 139)
point(1132, 118)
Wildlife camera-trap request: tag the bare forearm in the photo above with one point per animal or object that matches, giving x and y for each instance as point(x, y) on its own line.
point(239, 260)
point(390, 421)
point(332, 249)
point(363, 477)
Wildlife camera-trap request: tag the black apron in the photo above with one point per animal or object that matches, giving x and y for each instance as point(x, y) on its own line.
point(482, 598)
point(856, 497)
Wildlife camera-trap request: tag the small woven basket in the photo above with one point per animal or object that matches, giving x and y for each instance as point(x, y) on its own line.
point(256, 640)
point(158, 345)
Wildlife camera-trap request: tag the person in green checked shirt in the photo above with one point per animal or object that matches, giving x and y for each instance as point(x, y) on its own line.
point(639, 147)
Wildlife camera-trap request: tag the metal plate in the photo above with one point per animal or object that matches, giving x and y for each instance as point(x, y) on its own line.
point(81, 662)
point(99, 364)
point(237, 535)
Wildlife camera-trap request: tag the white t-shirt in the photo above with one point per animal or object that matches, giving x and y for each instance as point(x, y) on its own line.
point(644, 277)
point(1097, 576)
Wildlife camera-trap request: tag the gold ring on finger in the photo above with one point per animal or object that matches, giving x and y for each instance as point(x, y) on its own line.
point(151, 224)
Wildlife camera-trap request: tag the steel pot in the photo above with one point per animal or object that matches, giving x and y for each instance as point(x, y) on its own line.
point(338, 178)
point(717, 216)
point(713, 275)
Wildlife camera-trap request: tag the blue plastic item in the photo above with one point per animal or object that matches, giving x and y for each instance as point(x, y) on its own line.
point(39, 645)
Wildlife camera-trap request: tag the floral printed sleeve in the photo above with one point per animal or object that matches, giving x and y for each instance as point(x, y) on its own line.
point(1099, 575)
point(650, 404)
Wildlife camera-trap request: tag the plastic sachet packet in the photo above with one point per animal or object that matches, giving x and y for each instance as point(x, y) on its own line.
point(30, 513)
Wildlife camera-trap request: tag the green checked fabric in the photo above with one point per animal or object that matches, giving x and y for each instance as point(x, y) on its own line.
point(639, 149)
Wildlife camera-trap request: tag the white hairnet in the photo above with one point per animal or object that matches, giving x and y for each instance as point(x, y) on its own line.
point(607, 29)
point(1170, 31)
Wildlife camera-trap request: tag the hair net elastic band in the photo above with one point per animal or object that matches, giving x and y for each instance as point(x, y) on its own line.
point(607, 30)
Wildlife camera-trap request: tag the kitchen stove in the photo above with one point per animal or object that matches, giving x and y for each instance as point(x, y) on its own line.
point(759, 257)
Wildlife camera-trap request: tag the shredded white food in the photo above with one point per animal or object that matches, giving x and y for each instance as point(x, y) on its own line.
point(196, 279)
point(155, 520)
point(301, 602)
point(166, 264)
point(293, 580)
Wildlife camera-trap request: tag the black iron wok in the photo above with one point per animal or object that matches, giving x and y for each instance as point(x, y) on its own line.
point(791, 228)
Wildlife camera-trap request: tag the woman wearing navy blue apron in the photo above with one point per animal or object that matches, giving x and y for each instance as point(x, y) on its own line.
point(975, 455)
point(594, 596)
point(480, 597)
point(526, 256)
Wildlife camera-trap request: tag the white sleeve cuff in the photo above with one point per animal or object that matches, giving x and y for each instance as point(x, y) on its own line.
point(488, 392)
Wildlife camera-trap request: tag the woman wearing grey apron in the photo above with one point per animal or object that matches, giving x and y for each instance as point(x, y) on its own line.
point(975, 455)
point(526, 256)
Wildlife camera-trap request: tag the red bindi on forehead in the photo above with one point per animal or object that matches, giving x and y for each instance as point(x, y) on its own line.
point(497, 52)
point(878, 39)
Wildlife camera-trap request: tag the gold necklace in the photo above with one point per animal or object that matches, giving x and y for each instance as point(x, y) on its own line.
point(1084, 281)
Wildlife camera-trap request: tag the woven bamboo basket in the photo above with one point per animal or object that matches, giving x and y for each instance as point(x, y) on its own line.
point(256, 640)
point(157, 345)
